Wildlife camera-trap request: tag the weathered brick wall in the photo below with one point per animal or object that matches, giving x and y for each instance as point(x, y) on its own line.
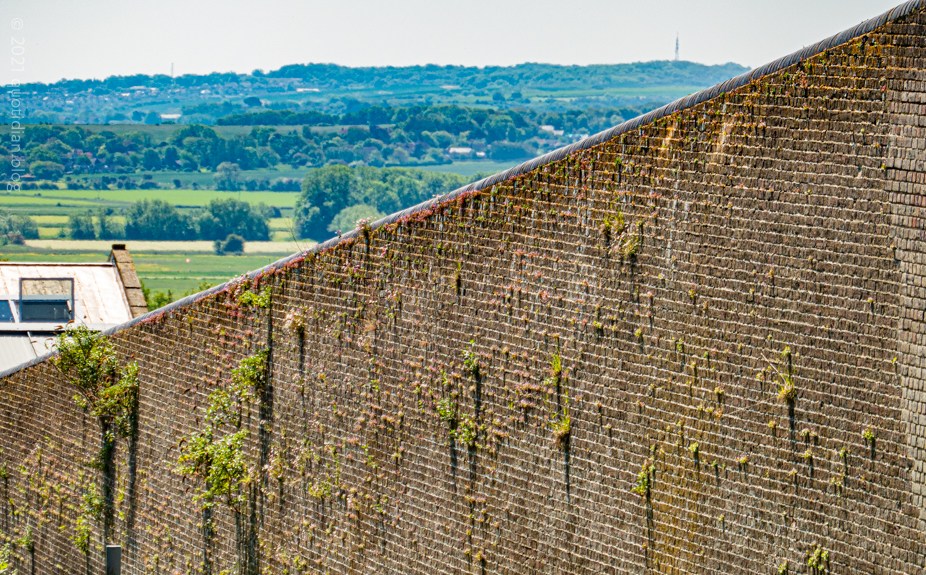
point(783, 214)
point(906, 169)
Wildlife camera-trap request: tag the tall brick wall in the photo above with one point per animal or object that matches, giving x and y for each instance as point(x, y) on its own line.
point(906, 169)
point(784, 214)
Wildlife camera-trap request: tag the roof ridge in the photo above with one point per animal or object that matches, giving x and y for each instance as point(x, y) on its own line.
point(550, 157)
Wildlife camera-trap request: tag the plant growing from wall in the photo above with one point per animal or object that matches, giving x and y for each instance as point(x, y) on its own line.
point(869, 436)
point(296, 320)
point(88, 360)
point(818, 559)
point(259, 300)
point(363, 226)
point(219, 461)
point(787, 390)
point(6, 560)
point(446, 411)
point(561, 424)
point(466, 430)
point(556, 369)
point(470, 360)
point(613, 225)
point(458, 278)
point(644, 481)
point(836, 482)
point(92, 508)
point(694, 450)
point(27, 542)
point(559, 420)
point(693, 382)
point(217, 457)
point(323, 488)
point(630, 243)
point(215, 453)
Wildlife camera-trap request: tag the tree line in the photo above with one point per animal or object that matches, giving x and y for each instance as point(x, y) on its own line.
point(373, 136)
point(161, 221)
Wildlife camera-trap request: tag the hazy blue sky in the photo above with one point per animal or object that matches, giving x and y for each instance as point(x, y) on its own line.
point(98, 38)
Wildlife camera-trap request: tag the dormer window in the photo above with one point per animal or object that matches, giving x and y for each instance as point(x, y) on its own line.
point(46, 300)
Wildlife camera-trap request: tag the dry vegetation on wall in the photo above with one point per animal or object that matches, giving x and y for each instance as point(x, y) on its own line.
point(688, 349)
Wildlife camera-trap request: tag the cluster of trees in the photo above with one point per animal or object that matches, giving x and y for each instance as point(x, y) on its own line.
point(159, 220)
point(81, 225)
point(228, 178)
point(374, 136)
point(16, 228)
point(335, 197)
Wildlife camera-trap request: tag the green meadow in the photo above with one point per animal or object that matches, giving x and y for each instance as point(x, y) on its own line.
point(160, 271)
point(51, 208)
point(183, 198)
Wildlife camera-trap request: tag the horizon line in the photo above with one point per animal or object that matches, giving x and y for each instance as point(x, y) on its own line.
point(382, 67)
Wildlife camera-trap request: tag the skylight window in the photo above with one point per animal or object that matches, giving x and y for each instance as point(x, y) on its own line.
point(46, 300)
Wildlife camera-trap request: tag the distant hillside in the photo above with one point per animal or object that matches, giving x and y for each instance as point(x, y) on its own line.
point(332, 89)
point(542, 76)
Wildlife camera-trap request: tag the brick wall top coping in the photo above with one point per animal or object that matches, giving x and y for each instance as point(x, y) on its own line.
point(530, 165)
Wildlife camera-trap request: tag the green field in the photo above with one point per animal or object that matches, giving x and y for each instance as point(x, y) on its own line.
point(207, 179)
point(162, 272)
point(181, 198)
point(159, 271)
point(19, 200)
point(51, 207)
point(50, 220)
